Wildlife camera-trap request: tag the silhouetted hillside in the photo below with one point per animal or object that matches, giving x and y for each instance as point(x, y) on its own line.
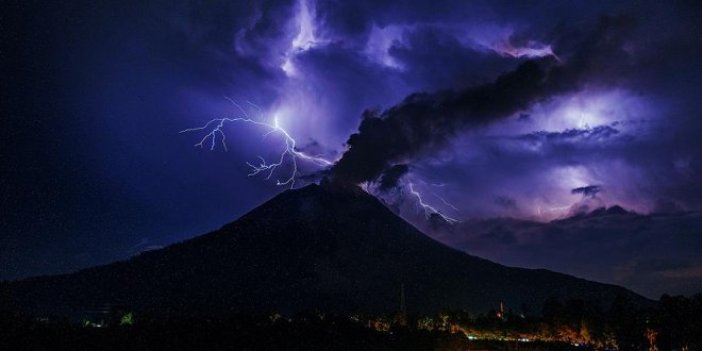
point(651, 253)
point(318, 247)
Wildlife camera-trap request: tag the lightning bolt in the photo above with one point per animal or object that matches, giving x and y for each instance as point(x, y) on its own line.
point(429, 209)
point(216, 136)
point(445, 202)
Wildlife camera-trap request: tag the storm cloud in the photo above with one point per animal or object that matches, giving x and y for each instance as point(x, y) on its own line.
point(462, 99)
point(426, 121)
point(587, 191)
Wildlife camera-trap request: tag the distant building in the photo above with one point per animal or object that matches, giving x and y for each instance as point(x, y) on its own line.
point(501, 312)
point(401, 316)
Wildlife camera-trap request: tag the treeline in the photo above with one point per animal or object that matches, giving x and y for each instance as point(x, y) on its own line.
point(304, 331)
point(673, 323)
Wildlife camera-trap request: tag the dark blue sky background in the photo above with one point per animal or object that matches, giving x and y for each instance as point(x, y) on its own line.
point(94, 94)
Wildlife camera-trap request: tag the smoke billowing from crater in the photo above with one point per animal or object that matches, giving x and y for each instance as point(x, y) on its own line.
point(424, 122)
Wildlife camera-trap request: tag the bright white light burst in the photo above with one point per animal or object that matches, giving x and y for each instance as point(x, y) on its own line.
point(216, 136)
point(429, 209)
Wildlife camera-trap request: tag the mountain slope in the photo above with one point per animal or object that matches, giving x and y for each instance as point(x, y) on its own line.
point(325, 247)
point(653, 254)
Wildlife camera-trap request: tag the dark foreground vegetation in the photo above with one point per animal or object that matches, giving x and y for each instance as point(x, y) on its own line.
point(674, 324)
point(303, 332)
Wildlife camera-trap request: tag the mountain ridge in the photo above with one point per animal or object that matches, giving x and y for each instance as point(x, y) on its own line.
point(318, 247)
point(652, 254)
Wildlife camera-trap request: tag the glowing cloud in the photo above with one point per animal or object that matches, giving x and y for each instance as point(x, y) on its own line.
point(305, 38)
point(380, 40)
point(533, 50)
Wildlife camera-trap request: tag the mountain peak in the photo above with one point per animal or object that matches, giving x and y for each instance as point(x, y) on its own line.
point(603, 211)
point(614, 210)
point(325, 247)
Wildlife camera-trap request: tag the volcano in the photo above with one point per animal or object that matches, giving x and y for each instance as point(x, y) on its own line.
point(321, 247)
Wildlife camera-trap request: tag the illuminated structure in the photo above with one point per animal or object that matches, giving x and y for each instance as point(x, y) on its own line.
point(651, 336)
point(501, 312)
point(401, 316)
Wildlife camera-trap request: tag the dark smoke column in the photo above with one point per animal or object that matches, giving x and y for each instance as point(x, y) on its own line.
point(425, 121)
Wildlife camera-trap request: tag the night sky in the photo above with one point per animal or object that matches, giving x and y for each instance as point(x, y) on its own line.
point(535, 111)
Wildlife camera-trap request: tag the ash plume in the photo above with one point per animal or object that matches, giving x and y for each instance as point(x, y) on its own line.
point(392, 175)
point(423, 122)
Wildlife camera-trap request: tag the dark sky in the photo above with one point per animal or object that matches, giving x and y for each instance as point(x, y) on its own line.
point(531, 110)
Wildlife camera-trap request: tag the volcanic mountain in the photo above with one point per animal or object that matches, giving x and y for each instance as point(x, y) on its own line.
point(654, 253)
point(323, 247)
